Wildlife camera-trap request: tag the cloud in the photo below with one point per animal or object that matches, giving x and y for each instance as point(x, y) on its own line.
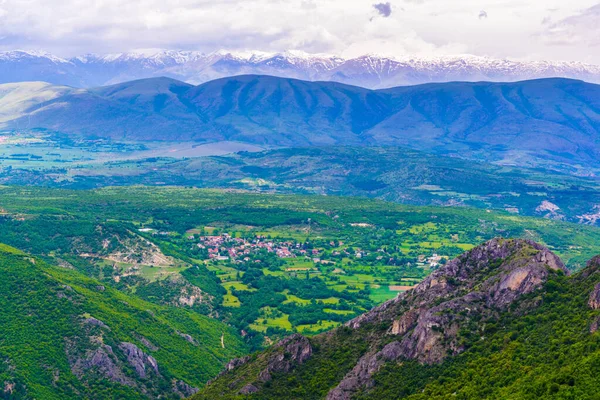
point(424, 28)
point(579, 28)
point(483, 14)
point(384, 9)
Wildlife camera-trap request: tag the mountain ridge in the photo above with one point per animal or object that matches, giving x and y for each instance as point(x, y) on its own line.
point(556, 120)
point(369, 70)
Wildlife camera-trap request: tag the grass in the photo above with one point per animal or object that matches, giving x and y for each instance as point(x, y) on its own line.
point(315, 328)
point(158, 273)
point(382, 293)
point(340, 312)
point(261, 324)
point(295, 299)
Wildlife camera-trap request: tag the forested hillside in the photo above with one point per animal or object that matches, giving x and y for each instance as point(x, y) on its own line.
point(67, 336)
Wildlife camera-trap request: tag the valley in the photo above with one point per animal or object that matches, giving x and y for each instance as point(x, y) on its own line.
point(299, 200)
point(266, 264)
point(400, 175)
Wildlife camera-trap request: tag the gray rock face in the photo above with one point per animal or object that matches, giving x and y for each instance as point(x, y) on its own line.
point(147, 343)
point(595, 325)
point(470, 289)
point(594, 301)
point(183, 389)
point(284, 356)
point(296, 350)
point(188, 338)
point(138, 359)
point(249, 389)
point(103, 360)
point(95, 322)
point(405, 323)
point(235, 363)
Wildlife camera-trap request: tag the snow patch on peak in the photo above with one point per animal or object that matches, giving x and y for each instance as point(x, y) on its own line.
point(16, 55)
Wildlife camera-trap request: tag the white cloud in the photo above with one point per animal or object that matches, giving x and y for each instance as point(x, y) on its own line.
point(424, 27)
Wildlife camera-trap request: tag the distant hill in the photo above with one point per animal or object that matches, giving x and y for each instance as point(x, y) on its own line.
point(548, 119)
point(372, 71)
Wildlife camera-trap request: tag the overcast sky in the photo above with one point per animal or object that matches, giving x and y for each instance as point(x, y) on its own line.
point(517, 29)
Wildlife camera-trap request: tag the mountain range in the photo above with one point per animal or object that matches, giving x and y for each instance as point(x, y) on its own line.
point(526, 123)
point(370, 71)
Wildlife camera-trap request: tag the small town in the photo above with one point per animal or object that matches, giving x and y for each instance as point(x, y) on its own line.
point(225, 247)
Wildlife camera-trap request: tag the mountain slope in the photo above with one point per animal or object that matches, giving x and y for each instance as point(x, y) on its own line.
point(370, 71)
point(502, 321)
point(530, 122)
point(66, 336)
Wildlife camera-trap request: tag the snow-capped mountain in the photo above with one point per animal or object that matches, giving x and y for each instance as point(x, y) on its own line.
point(371, 71)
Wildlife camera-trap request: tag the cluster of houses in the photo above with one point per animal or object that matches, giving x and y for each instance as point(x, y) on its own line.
point(225, 247)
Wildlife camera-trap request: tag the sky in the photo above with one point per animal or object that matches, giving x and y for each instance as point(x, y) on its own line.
point(516, 29)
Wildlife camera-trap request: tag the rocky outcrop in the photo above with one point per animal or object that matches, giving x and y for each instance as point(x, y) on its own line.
point(149, 345)
point(284, 356)
point(249, 389)
point(95, 322)
point(183, 390)
point(104, 361)
point(138, 360)
point(465, 293)
point(594, 300)
point(235, 363)
point(290, 352)
point(595, 325)
point(188, 338)
point(405, 322)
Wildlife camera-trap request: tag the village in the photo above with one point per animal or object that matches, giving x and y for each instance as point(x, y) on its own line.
point(224, 247)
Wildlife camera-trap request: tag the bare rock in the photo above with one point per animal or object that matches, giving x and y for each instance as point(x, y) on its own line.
point(361, 374)
point(138, 359)
point(9, 388)
point(595, 325)
point(249, 389)
point(296, 350)
point(149, 345)
point(183, 389)
point(282, 357)
point(594, 300)
point(103, 360)
point(189, 338)
point(405, 323)
point(236, 362)
point(95, 322)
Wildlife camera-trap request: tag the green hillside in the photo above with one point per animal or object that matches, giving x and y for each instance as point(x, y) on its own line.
point(66, 336)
